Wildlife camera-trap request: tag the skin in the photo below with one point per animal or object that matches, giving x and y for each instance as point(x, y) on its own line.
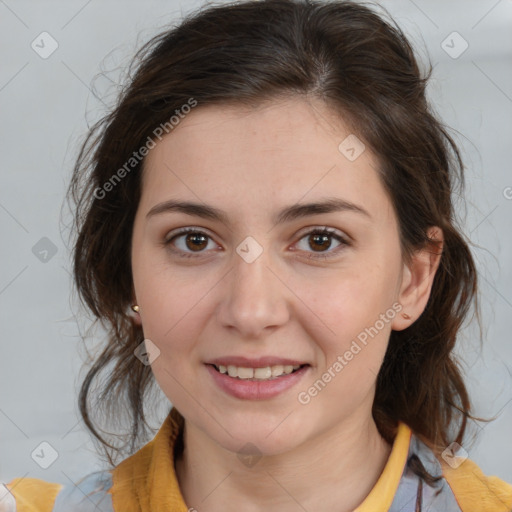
point(328, 454)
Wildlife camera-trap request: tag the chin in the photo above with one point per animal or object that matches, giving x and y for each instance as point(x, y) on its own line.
point(262, 440)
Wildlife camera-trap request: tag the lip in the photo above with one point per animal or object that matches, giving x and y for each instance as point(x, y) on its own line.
point(260, 362)
point(252, 389)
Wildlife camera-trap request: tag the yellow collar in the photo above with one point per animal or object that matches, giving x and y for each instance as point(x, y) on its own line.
point(147, 481)
point(383, 492)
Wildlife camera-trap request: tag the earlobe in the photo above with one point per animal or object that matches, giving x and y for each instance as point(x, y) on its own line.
point(134, 311)
point(417, 280)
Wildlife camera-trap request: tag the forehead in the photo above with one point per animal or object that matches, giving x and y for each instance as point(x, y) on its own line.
point(280, 152)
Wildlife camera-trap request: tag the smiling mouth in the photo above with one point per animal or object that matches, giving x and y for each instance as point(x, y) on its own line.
point(257, 374)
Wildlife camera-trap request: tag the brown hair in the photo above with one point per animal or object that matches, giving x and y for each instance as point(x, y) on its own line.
point(347, 55)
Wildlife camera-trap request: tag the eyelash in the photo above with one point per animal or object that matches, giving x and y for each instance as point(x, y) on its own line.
point(318, 231)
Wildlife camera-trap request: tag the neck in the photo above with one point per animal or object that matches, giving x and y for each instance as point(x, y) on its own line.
point(335, 470)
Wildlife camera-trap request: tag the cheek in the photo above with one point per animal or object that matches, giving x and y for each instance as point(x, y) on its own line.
point(172, 317)
point(170, 295)
point(351, 356)
point(348, 303)
point(175, 325)
point(351, 328)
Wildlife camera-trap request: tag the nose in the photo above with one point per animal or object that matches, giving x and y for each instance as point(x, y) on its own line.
point(255, 299)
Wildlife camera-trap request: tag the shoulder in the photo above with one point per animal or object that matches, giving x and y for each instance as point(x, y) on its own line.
point(89, 494)
point(471, 487)
point(149, 471)
point(459, 486)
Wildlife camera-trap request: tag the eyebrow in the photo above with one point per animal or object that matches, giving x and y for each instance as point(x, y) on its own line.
point(293, 212)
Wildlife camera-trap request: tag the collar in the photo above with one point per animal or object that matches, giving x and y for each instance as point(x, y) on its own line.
point(383, 492)
point(147, 480)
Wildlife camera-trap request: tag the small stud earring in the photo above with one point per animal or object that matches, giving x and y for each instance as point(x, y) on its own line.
point(135, 308)
point(406, 316)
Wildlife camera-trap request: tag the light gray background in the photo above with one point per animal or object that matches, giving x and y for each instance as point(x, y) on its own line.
point(46, 106)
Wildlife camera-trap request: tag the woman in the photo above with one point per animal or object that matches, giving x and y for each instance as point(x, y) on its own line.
point(265, 225)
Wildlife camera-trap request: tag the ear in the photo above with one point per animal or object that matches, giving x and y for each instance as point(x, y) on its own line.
point(417, 279)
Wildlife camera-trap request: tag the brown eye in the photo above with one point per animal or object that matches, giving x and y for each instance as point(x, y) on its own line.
point(320, 240)
point(196, 241)
point(188, 241)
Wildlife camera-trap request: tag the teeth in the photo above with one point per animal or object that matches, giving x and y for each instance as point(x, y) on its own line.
point(277, 370)
point(261, 373)
point(268, 372)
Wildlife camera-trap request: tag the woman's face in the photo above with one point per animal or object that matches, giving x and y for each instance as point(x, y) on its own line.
point(261, 284)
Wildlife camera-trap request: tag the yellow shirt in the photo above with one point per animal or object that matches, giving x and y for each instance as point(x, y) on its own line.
point(147, 482)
